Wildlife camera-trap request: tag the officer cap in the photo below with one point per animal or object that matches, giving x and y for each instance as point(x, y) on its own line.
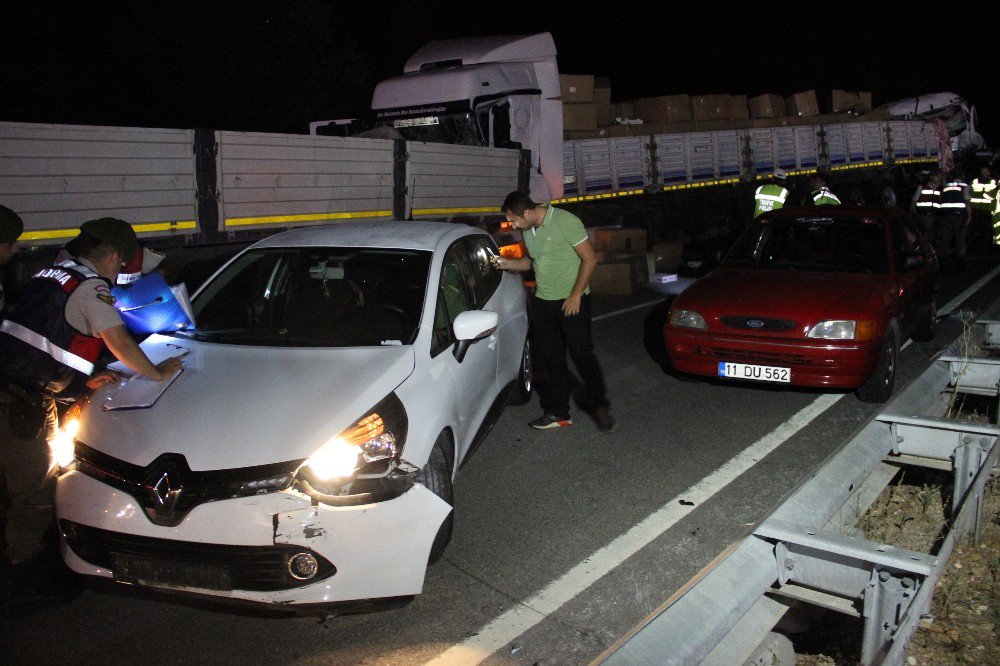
point(119, 234)
point(11, 225)
point(780, 174)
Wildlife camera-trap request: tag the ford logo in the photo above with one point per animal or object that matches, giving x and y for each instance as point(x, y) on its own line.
point(755, 323)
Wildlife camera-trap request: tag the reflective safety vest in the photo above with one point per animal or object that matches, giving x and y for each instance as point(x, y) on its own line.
point(824, 197)
point(953, 198)
point(929, 202)
point(39, 349)
point(769, 197)
point(983, 193)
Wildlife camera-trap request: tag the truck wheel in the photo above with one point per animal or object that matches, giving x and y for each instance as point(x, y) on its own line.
point(887, 196)
point(879, 386)
point(436, 477)
point(525, 379)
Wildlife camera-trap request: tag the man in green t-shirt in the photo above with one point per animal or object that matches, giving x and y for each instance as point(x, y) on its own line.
point(563, 260)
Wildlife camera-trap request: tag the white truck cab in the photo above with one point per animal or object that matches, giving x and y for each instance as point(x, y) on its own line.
point(500, 91)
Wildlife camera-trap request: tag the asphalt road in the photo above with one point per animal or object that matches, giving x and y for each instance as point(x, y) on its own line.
point(564, 540)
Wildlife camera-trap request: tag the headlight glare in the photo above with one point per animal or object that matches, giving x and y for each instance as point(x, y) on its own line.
point(62, 445)
point(687, 319)
point(833, 329)
point(337, 459)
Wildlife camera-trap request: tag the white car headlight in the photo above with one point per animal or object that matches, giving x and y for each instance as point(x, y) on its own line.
point(62, 446)
point(687, 319)
point(833, 329)
point(358, 459)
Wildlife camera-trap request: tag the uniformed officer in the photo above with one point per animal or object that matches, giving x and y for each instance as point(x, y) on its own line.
point(772, 195)
point(11, 228)
point(926, 205)
point(821, 194)
point(143, 262)
point(48, 347)
point(956, 216)
point(984, 191)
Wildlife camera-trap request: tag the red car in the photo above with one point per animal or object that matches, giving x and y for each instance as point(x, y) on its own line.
point(818, 296)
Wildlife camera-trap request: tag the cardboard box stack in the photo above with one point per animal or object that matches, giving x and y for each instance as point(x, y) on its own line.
point(666, 109)
point(850, 100)
point(602, 102)
point(579, 109)
point(767, 106)
point(623, 266)
point(802, 104)
point(710, 107)
point(588, 112)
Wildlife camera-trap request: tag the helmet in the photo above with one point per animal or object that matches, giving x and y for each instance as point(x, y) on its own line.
point(779, 174)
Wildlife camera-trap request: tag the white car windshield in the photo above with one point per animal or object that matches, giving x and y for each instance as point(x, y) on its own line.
point(326, 297)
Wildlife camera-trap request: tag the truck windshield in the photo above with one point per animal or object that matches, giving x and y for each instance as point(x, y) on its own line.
point(314, 297)
point(454, 128)
point(844, 244)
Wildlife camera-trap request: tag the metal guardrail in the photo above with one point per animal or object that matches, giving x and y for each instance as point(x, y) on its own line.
point(810, 551)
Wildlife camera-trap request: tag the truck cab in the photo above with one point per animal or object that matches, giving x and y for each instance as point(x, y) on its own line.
point(500, 91)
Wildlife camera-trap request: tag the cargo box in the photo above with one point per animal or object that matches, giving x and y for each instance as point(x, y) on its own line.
point(614, 279)
point(602, 100)
point(623, 109)
point(850, 100)
point(802, 104)
point(667, 109)
point(577, 117)
point(611, 239)
point(576, 88)
point(767, 106)
point(667, 256)
point(738, 109)
point(710, 107)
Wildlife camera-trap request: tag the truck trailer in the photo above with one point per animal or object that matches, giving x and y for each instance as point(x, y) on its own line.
point(468, 121)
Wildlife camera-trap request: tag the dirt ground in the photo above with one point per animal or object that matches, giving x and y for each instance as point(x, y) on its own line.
point(966, 606)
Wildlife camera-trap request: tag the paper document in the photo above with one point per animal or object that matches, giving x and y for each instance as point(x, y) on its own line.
point(138, 391)
point(157, 354)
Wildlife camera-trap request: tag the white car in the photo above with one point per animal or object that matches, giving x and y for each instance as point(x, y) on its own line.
point(335, 380)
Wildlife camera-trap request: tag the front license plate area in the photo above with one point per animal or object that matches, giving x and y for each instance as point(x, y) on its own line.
point(166, 573)
point(757, 373)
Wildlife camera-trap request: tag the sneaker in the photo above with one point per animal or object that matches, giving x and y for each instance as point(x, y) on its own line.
point(605, 421)
point(546, 421)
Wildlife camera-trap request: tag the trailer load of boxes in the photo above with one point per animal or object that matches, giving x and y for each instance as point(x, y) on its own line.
point(588, 112)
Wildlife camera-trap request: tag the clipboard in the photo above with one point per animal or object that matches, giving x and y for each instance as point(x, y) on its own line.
point(138, 391)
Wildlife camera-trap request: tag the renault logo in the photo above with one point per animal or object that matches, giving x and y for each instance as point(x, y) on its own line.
point(164, 495)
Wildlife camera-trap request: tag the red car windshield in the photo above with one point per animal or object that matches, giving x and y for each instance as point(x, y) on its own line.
point(843, 244)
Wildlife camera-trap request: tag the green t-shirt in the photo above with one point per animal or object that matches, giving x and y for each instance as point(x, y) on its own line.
point(551, 246)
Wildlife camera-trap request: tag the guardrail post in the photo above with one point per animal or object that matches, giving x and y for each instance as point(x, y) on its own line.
point(887, 601)
point(969, 458)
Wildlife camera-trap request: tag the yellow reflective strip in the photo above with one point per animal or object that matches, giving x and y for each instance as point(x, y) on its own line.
point(55, 234)
point(311, 217)
point(164, 226)
point(453, 211)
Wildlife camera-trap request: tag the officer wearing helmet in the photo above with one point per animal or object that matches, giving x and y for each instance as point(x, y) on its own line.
point(771, 195)
point(11, 227)
point(49, 345)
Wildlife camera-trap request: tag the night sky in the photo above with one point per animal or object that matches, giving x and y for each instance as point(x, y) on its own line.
point(274, 66)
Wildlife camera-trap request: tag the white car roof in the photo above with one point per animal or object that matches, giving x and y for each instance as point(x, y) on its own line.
point(384, 234)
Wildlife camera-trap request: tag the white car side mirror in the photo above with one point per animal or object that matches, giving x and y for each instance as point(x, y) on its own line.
point(475, 324)
point(472, 325)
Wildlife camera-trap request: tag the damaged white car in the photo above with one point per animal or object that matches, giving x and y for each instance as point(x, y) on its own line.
point(334, 381)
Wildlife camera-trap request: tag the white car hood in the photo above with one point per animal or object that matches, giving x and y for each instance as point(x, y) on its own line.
point(240, 406)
